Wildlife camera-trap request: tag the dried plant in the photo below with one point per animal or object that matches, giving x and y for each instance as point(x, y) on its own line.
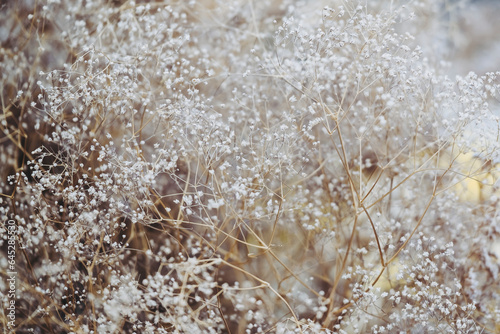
point(245, 167)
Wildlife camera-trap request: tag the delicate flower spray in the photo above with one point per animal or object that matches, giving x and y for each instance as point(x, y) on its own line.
point(245, 167)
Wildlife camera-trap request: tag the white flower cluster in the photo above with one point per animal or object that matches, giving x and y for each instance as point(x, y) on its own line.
point(246, 167)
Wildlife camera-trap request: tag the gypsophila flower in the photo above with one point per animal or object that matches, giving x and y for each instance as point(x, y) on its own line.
point(231, 166)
